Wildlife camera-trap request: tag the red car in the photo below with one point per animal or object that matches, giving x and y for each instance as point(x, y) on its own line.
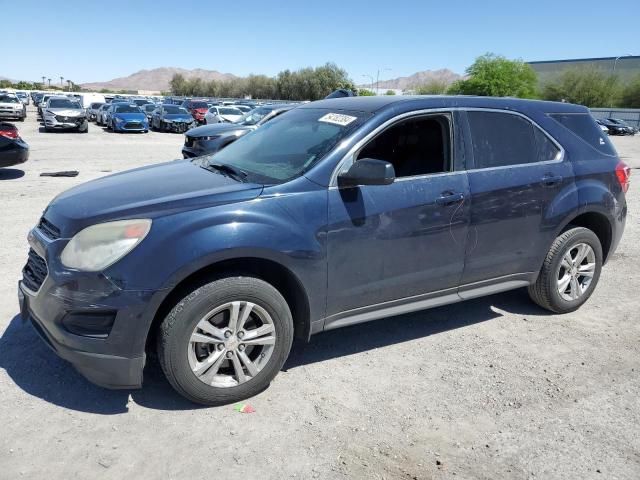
point(197, 109)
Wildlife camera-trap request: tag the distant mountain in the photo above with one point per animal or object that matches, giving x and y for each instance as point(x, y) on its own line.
point(157, 79)
point(417, 79)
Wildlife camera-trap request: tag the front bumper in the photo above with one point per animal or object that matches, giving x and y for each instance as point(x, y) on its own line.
point(128, 127)
point(112, 357)
point(177, 127)
point(72, 123)
point(17, 114)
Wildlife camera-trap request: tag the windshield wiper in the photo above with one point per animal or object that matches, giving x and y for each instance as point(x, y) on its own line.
point(229, 170)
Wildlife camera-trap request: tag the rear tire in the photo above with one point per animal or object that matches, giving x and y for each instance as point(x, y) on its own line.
point(566, 281)
point(185, 362)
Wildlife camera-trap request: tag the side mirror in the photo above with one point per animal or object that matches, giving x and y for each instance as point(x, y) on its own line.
point(368, 171)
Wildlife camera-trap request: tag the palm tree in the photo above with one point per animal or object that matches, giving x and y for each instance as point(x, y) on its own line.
point(61, 78)
point(49, 80)
point(43, 79)
point(69, 82)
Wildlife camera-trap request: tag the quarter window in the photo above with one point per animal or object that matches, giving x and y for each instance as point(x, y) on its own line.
point(503, 139)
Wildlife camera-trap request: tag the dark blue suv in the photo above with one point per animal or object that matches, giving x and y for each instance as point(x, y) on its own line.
point(335, 213)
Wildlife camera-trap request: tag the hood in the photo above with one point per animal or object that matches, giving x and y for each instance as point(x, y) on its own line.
point(66, 112)
point(231, 118)
point(146, 192)
point(179, 117)
point(130, 116)
point(215, 129)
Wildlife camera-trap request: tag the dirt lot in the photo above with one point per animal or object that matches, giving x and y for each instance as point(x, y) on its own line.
point(491, 388)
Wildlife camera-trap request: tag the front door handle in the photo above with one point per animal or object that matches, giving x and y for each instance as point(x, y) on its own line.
point(447, 198)
point(550, 180)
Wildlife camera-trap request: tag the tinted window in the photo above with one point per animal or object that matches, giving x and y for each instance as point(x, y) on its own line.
point(175, 110)
point(127, 109)
point(63, 103)
point(584, 126)
point(8, 99)
point(501, 139)
point(417, 146)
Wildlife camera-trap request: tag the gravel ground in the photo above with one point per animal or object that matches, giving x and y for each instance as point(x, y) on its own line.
point(487, 389)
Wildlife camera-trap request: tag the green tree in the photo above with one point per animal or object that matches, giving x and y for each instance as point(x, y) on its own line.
point(589, 86)
point(434, 87)
point(630, 97)
point(390, 92)
point(496, 76)
point(363, 92)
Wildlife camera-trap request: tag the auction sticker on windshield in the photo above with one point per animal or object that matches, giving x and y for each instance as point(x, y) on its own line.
point(337, 119)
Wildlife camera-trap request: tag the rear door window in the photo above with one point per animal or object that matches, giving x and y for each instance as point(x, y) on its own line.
point(504, 139)
point(585, 127)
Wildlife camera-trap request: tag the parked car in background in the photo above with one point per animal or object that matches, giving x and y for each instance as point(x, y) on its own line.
point(172, 118)
point(13, 149)
point(244, 108)
point(24, 97)
point(43, 103)
point(128, 118)
point(148, 109)
point(338, 212)
point(101, 113)
point(197, 109)
point(222, 114)
point(11, 107)
point(209, 139)
point(613, 127)
point(63, 113)
point(141, 101)
point(629, 129)
point(92, 111)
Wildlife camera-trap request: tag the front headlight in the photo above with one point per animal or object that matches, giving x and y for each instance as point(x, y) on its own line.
point(100, 246)
point(118, 119)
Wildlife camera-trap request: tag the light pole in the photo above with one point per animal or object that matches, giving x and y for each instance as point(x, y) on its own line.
point(371, 77)
point(378, 78)
point(613, 70)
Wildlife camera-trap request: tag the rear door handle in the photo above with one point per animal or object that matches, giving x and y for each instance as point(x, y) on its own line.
point(447, 198)
point(549, 180)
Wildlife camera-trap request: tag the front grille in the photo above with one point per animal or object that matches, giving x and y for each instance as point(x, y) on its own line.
point(133, 125)
point(49, 229)
point(34, 272)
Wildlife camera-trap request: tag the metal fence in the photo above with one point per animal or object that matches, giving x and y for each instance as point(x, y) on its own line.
point(629, 115)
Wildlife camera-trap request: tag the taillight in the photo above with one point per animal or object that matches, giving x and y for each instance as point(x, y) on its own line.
point(623, 172)
point(13, 133)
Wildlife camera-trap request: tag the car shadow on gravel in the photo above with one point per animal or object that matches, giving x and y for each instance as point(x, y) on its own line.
point(31, 364)
point(11, 173)
point(39, 372)
point(392, 330)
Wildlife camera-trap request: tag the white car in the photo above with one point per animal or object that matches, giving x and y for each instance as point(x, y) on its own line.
point(222, 114)
point(12, 107)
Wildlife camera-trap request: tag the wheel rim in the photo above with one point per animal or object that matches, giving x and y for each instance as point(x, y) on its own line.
point(576, 271)
point(231, 344)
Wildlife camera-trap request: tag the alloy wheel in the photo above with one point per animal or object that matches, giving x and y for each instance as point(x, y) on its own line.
point(576, 271)
point(231, 344)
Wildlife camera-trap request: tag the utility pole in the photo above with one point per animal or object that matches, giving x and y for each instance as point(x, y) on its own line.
point(378, 78)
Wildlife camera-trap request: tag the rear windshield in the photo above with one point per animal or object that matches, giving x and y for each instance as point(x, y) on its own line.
point(584, 126)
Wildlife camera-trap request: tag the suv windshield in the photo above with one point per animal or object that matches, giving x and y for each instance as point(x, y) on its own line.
point(63, 103)
point(8, 99)
point(288, 145)
point(127, 109)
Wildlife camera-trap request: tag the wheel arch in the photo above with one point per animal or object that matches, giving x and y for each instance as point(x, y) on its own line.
point(282, 278)
point(596, 221)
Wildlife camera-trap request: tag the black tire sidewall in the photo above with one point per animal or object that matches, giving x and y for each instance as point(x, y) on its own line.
point(184, 317)
point(581, 235)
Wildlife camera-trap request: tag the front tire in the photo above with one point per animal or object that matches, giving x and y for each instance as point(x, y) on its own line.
point(570, 271)
point(226, 340)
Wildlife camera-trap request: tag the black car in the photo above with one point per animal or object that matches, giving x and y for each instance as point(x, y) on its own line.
point(613, 127)
point(336, 213)
point(148, 109)
point(171, 118)
point(208, 139)
point(617, 121)
point(13, 150)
